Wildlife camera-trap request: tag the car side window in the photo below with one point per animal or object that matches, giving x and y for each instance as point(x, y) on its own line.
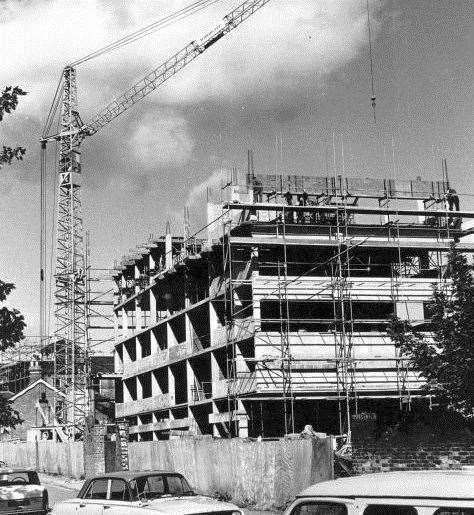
point(389, 509)
point(155, 485)
point(319, 508)
point(119, 490)
point(97, 489)
point(454, 511)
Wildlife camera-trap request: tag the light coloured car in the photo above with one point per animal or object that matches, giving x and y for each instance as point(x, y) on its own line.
point(390, 493)
point(141, 493)
point(21, 492)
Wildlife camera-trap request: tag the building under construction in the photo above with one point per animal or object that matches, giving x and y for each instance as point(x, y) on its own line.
point(274, 316)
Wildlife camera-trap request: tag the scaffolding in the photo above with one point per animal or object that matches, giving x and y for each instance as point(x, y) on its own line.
point(299, 294)
point(333, 210)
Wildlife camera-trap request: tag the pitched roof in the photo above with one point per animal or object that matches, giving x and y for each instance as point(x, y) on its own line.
point(33, 385)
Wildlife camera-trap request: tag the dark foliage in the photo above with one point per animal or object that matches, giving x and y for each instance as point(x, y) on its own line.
point(8, 103)
point(12, 322)
point(446, 361)
point(9, 417)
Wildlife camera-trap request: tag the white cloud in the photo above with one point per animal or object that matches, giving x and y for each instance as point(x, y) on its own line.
point(162, 139)
point(286, 42)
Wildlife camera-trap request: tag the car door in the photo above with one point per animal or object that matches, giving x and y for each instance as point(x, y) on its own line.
point(94, 498)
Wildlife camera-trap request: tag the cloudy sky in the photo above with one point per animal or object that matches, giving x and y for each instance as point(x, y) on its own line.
point(297, 71)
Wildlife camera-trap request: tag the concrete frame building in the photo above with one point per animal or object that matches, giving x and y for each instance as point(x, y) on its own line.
point(274, 316)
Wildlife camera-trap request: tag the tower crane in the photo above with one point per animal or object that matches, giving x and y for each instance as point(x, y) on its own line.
point(70, 302)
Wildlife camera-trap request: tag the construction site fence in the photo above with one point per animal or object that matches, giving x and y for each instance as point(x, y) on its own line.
point(50, 457)
point(261, 474)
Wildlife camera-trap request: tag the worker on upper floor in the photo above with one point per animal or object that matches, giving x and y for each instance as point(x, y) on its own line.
point(453, 199)
point(257, 191)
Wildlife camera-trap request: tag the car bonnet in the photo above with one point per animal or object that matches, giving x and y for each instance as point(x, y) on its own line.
point(187, 505)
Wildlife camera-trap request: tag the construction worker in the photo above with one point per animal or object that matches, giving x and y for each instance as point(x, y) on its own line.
point(304, 196)
point(300, 213)
point(289, 215)
point(453, 200)
point(257, 191)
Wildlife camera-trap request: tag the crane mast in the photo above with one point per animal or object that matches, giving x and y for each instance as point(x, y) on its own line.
point(69, 344)
point(70, 299)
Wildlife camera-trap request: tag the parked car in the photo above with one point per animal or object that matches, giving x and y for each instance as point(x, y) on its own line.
point(390, 493)
point(141, 493)
point(21, 492)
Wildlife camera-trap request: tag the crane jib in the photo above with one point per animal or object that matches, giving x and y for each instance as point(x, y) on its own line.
point(218, 36)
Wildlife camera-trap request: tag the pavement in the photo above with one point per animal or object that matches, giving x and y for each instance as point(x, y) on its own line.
point(61, 488)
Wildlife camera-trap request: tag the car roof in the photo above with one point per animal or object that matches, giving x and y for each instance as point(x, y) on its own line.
point(6, 470)
point(127, 474)
point(411, 484)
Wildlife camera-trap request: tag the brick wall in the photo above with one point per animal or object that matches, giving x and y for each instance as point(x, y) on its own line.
point(94, 449)
point(425, 447)
point(25, 404)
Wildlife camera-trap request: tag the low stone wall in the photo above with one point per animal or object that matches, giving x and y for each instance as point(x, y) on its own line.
point(264, 475)
point(425, 447)
point(50, 457)
point(385, 456)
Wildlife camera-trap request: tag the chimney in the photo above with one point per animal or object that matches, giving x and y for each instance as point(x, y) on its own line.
point(35, 371)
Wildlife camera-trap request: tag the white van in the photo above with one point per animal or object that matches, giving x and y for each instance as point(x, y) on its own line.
point(390, 493)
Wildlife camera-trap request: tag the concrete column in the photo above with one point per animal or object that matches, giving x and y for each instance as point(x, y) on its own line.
point(152, 306)
point(155, 387)
point(172, 341)
point(153, 343)
point(214, 324)
point(171, 387)
point(118, 361)
point(138, 349)
point(126, 393)
point(126, 355)
point(215, 370)
point(139, 389)
point(124, 320)
point(215, 431)
point(138, 316)
point(190, 380)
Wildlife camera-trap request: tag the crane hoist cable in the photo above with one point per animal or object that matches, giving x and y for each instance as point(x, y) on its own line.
point(371, 59)
point(145, 31)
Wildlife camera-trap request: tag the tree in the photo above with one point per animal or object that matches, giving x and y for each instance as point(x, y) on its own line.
point(8, 103)
point(447, 362)
point(12, 322)
point(9, 417)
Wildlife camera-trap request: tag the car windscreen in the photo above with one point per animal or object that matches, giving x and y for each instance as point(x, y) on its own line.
point(157, 485)
point(18, 478)
point(319, 508)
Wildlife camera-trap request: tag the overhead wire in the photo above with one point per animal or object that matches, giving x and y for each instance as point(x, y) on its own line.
point(160, 24)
